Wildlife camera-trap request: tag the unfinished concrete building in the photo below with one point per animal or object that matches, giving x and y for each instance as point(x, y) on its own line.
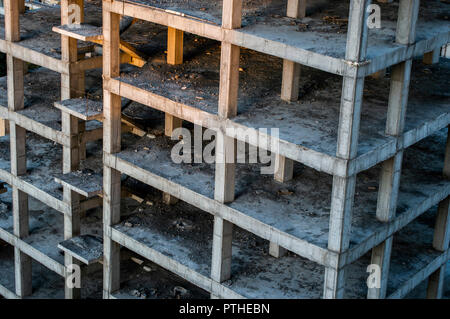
point(357, 206)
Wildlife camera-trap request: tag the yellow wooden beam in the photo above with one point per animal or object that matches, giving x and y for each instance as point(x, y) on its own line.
point(174, 46)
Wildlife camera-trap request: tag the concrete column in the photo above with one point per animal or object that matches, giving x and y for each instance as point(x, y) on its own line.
point(22, 262)
point(347, 146)
point(225, 145)
point(111, 144)
point(391, 168)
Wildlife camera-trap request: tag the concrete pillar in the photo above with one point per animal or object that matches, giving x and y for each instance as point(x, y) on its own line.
point(391, 168)
point(111, 144)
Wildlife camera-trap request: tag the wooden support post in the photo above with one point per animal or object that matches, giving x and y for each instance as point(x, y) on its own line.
point(343, 191)
point(226, 146)
point(284, 169)
point(290, 81)
point(22, 262)
point(432, 57)
point(174, 57)
point(111, 144)
point(4, 127)
point(296, 8)
point(169, 199)
point(174, 46)
point(171, 123)
point(291, 70)
point(441, 233)
point(391, 168)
